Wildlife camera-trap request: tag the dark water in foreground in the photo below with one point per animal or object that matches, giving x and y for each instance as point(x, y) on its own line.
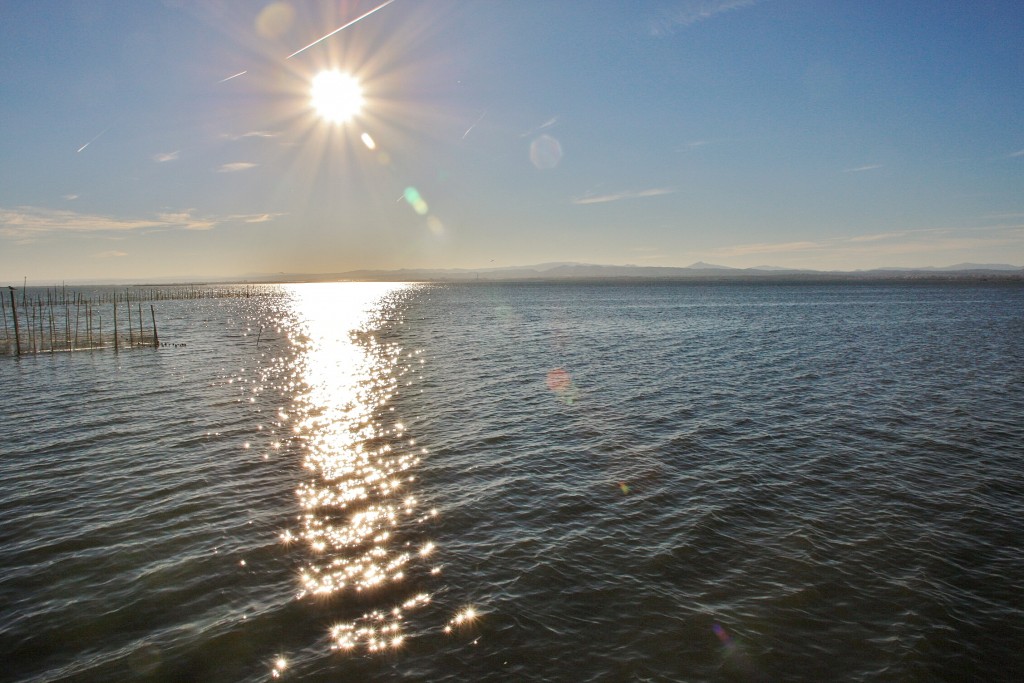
point(664, 482)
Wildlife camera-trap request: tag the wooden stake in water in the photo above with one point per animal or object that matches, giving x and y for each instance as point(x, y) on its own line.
point(156, 339)
point(115, 323)
point(14, 311)
point(42, 333)
point(78, 313)
point(3, 305)
point(50, 303)
point(128, 305)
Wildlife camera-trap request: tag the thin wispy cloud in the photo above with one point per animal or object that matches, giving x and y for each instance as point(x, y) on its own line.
point(185, 219)
point(25, 224)
point(110, 254)
point(878, 237)
point(71, 197)
point(28, 222)
point(236, 166)
point(165, 157)
point(861, 169)
point(699, 143)
point(1018, 153)
point(544, 126)
point(690, 12)
point(250, 134)
point(618, 196)
point(1012, 214)
point(252, 217)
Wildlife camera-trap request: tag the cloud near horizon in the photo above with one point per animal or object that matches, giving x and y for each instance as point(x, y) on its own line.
point(165, 157)
point(617, 196)
point(24, 224)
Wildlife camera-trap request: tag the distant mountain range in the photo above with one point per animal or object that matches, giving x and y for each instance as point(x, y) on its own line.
point(699, 270)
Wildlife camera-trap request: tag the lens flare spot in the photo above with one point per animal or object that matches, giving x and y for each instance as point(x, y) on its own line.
point(368, 141)
point(416, 201)
point(545, 152)
point(274, 19)
point(558, 380)
point(435, 225)
point(560, 383)
point(722, 634)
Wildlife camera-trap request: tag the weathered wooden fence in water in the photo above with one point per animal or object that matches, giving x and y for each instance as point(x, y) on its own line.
point(58, 319)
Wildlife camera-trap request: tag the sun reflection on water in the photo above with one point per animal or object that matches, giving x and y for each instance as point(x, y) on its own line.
point(357, 506)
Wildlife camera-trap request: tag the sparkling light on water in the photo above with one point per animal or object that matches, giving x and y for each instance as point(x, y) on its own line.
point(356, 501)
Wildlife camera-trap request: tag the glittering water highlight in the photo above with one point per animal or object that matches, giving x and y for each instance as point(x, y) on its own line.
point(359, 502)
point(525, 482)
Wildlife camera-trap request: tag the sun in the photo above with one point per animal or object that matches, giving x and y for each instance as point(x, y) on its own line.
point(336, 96)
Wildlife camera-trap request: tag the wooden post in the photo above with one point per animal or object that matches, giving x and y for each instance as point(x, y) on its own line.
point(115, 323)
point(156, 339)
point(128, 305)
point(78, 314)
point(14, 310)
point(7, 333)
point(50, 301)
point(42, 332)
point(30, 323)
point(140, 324)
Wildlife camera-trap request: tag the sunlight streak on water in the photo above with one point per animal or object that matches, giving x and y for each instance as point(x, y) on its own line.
point(358, 498)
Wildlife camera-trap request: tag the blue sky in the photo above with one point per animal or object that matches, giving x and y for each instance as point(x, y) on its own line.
point(827, 135)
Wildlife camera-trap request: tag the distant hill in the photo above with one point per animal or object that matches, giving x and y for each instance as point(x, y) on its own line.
point(959, 267)
point(700, 265)
point(697, 271)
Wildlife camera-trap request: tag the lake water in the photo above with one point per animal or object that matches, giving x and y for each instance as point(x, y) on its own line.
point(530, 482)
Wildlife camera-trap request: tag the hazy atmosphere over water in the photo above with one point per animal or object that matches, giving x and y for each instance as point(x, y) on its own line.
point(184, 139)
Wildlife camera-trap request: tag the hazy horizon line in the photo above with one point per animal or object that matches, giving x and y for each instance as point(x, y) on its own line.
point(549, 270)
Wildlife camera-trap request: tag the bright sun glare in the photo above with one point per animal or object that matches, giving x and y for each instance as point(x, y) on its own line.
point(337, 97)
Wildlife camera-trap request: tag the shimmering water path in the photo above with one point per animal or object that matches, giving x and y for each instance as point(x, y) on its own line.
point(668, 482)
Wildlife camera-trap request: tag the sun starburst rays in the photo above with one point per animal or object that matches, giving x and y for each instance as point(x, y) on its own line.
point(337, 97)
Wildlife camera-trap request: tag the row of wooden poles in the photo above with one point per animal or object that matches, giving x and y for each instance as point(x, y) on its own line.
point(67, 321)
point(168, 293)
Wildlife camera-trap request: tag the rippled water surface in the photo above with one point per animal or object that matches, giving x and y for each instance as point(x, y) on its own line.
point(592, 482)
